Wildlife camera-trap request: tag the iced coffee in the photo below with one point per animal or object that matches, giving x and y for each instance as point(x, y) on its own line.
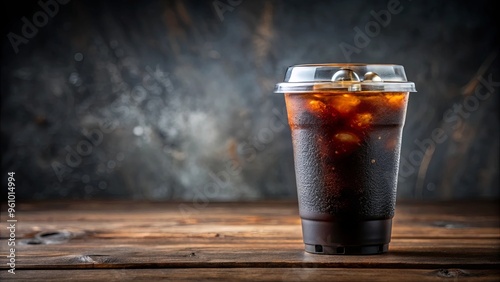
point(346, 123)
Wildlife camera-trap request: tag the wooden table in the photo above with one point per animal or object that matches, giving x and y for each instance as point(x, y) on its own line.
point(120, 241)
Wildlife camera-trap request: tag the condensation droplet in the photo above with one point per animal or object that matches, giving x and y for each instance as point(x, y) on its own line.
point(78, 57)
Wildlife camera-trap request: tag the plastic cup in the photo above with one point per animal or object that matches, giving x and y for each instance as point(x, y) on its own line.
point(346, 122)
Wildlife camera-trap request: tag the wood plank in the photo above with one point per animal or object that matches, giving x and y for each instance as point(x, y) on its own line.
point(237, 235)
point(109, 219)
point(255, 274)
point(215, 241)
point(101, 253)
point(145, 229)
point(477, 208)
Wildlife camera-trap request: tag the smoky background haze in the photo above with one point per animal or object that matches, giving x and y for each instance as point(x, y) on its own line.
point(170, 100)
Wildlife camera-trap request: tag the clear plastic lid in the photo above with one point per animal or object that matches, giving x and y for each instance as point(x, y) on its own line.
point(345, 77)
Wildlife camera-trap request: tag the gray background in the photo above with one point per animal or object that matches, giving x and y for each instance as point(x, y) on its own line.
point(172, 100)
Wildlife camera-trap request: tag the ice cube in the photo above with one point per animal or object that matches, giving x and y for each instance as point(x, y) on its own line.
point(345, 143)
point(362, 120)
point(396, 100)
point(316, 106)
point(344, 104)
point(347, 137)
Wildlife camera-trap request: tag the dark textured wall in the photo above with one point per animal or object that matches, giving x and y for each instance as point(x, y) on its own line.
point(173, 99)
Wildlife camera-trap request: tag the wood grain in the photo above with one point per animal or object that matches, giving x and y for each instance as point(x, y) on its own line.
point(258, 274)
point(243, 242)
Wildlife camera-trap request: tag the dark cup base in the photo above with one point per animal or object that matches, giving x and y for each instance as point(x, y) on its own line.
point(347, 237)
point(349, 250)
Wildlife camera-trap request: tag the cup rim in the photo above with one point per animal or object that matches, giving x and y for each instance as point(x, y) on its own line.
point(352, 77)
